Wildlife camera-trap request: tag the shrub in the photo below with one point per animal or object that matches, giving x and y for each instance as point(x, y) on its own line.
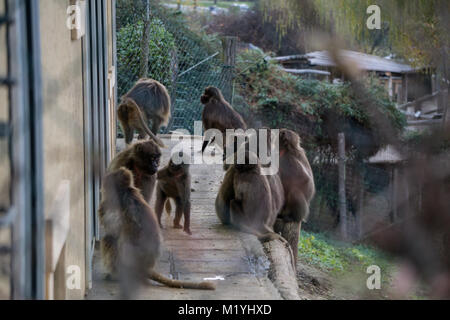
point(161, 48)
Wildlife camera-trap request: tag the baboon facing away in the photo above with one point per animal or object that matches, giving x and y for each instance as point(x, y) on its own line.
point(219, 114)
point(298, 184)
point(132, 239)
point(249, 200)
point(153, 101)
point(142, 159)
point(174, 181)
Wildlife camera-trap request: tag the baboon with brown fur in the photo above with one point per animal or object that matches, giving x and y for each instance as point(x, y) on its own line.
point(153, 101)
point(298, 184)
point(174, 181)
point(249, 200)
point(142, 159)
point(132, 239)
point(131, 118)
point(219, 114)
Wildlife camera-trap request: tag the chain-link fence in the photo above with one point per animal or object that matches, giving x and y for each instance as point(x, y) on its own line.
point(368, 194)
point(182, 60)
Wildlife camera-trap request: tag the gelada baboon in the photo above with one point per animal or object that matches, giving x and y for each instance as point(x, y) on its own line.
point(174, 181)
point(219, 114)
point(142, 159)
point(153, 101)
point(132, 238)
point(131, 118)
point(246, 199)
point(298, 184)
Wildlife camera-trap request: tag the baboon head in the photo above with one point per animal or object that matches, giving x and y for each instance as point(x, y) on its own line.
point(146, 156)
point(211, 93)
point(289, 139)
point(175, 169)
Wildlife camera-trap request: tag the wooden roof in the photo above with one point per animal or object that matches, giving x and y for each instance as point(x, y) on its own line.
point(362, 60)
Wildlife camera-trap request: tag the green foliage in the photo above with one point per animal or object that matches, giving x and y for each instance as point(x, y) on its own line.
point(161, 46)
point(280, 99)
point(331, 255)
point(414, 28)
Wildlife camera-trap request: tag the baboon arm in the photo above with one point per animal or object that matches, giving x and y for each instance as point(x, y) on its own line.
point(159, 204)
point(297, 208)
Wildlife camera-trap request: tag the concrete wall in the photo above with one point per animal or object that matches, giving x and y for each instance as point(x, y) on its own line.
point(63, 125)
point(4, 168)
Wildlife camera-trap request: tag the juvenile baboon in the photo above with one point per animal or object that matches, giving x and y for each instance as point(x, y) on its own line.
point(298, 184)
point(153, 101)
point(142, 159)
point(174, 181)
point(132, 239)
point(219, 114)
point(131, 118)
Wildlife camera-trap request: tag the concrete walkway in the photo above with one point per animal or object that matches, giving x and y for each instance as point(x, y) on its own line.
point(212, 251)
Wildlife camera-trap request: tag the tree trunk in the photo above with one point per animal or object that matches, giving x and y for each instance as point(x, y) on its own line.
point(143, 66)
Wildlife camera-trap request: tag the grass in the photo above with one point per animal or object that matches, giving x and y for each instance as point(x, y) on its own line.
point(337, 257)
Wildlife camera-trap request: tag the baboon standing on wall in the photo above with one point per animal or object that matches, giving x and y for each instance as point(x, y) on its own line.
point(298, 184)
point(219, 114)
point(132, 240)
point(142, 159)
point(153, 101)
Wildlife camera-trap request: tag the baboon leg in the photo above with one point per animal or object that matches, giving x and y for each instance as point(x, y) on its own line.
point(187, 217)
point(178, 215)
point(109, 249)
point(128, 132)
point(161, 198)
point(156, 125)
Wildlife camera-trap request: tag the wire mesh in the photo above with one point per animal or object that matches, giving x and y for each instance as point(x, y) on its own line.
point(178, 57)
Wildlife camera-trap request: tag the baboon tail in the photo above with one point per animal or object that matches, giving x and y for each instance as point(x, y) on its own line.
point(203, 285)
point(168, 206)
point(144, 126)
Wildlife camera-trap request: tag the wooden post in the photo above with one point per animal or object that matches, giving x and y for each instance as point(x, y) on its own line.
point(360, 211)
point(342, 199)
point(229, 45)
point(405, 88)
point(395, 195)
point(390, 86)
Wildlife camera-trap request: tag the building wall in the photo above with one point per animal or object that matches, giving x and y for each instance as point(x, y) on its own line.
point(4, 167)
point(63, 125)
